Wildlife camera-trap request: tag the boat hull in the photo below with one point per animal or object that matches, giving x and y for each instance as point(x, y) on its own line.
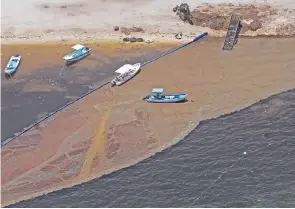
point(165, 98)
point(77, 58)
point(115, 81)
point(10, 71)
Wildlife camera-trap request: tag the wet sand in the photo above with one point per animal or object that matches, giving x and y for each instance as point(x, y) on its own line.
point(42, 84)
point(113, 128)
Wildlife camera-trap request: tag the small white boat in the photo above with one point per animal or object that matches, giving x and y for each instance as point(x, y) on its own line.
point(126, 72)
point(80, 53)
point(12, 65)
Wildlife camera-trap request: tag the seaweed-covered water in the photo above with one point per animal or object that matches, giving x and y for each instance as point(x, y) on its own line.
point(244, 159)
point(20, 109)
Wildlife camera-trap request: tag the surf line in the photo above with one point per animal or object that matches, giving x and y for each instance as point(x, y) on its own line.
point(202, 35)
point(96, 147)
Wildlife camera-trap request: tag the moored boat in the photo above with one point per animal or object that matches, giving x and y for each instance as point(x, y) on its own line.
point(126, 72)
point(158, 96)
point(12, 65)
point(79, 53)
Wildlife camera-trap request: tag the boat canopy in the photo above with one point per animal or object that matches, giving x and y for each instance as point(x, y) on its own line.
point(77, 47)
point(125, 68)
point(157, 90)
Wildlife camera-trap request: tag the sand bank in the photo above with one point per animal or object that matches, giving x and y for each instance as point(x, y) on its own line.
point(113, 128)
point(82, 20)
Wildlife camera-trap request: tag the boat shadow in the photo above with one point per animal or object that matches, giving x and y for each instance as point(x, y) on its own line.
point(9, 75)
point(68, 64)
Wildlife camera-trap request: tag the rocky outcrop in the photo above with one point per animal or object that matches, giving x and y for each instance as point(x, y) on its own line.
point(184, 13)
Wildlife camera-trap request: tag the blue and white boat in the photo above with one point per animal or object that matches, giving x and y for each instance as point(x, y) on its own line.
point(12, 65)
point(79, 53)
point(158, 96)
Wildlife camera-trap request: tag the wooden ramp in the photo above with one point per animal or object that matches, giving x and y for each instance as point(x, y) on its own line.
point(232, 33)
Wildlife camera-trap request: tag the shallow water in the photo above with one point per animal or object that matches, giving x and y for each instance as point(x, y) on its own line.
point(244, 159)
point(21, 108)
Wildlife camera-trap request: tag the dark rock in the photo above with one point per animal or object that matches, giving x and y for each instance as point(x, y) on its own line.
point(255, 25)
point(178, 36)
point(139, 40)
point(116, 28)
point(175, 9)
point(132, 39)
point(183, 11)
point(126, 39)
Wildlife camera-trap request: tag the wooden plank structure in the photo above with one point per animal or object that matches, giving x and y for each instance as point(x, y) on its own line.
point(232, 33)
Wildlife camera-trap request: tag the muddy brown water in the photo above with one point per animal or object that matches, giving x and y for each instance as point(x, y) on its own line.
point(217, 82)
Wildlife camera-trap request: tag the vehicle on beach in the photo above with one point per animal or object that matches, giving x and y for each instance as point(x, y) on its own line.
point(12, 65)
point(79, 53)
point(158, 96)
point(126, 72)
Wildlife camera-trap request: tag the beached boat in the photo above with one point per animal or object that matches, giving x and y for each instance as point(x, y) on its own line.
point(79, 53)
point(126, 72)
point(12, 65)
point(158, 96)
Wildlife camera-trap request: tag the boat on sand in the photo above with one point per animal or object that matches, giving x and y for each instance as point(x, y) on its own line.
point(12, 65)
point(125, 73)
point(158, 96)
point(79, 53)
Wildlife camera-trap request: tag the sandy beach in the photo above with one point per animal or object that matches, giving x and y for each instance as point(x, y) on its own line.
point(113, 128)
point(62, 20)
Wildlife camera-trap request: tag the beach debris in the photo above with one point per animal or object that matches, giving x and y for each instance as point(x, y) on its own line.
point(116, 28)
point(132, 39)
point(178, 35)
point(139, 39)
point(148, 40)
point(128, 31)
point(126, 39)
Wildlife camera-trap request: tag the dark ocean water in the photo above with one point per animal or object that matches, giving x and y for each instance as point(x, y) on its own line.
point(244, 159)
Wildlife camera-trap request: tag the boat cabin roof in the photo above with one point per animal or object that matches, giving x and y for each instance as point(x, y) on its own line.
point(77, 46)
point(157, 90)
point(125, 68)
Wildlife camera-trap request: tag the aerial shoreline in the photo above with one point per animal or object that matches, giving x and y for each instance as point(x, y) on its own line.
point(135, 130)
point(112, 128)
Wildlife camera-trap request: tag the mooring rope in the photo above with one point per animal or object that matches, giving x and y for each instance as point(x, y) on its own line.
point(94, 89)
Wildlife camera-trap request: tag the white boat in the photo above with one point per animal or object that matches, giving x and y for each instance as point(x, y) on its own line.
point(12, 65)
point(126, 72)
point(79, 53)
